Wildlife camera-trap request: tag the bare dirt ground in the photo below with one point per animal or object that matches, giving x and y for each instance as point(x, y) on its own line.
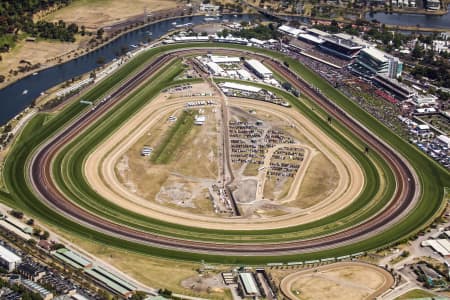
point(340, 281)
point(152, 271)
point(321, 179)
point(99, 170)
point(98, 13)
point(92, 14)
point(183, 182)
point(35, 52)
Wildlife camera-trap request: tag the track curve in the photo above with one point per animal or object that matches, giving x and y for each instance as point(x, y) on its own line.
point(404, 199)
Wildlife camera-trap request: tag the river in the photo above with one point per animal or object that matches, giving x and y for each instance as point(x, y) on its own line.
point(424, 21)
point(13, 99)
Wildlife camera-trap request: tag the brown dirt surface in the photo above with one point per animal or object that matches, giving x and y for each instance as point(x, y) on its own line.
point(341, 281)
point(320, 181)
point(99, 171)
point(96, 13)
point(151, 271)
point(34, 52)
point(179, 183)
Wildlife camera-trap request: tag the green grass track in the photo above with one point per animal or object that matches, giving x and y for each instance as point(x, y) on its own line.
point(69, 174)
point(432, 177)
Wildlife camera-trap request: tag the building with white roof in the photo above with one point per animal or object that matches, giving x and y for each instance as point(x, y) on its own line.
point(290, 30)
point(317, 32)
point(240, 87)
point(8, 259)
point(214, 68)
point(443, 140)
point(259, 69)
point(244, 74)
point(441, 246)
point(421, 100)
point(209, 7)
point(378, 62)
point(249, 284)
point(257, 42)
point(309, 38)
point(200, 120)
point(224, 59)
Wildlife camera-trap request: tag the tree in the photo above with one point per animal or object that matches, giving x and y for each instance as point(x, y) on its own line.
point(17, 214)
point(139, 295)
point(45, 235)
point(417, 51)
point(286, 85)
point(165, 293)
point(100, 33)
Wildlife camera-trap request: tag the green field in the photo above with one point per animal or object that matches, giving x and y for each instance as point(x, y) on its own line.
point(68, 172)
point(167, 149)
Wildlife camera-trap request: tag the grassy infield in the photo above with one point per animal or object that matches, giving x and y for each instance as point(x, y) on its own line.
point(172, 141)
point(68, 175)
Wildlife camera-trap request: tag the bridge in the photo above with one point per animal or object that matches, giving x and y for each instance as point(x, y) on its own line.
point(267, 13)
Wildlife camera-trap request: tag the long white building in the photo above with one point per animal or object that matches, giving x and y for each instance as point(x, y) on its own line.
point(8, 259)
point(259, 69)
point(214, 68)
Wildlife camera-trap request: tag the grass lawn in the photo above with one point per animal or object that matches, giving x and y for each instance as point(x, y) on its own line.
point(415, 294)
point(167, 149)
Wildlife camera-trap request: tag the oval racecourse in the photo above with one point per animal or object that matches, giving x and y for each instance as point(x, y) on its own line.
point(99, 170)
point(349, 280)
point(66, 171)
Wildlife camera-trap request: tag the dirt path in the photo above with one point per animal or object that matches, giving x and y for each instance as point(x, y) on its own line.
point(346, 280)
point(294, 189)
point(100, 165)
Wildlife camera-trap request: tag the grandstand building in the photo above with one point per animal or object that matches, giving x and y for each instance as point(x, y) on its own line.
point(378, 62)
point(342, 48)
point(290, 30)
point(397, 89)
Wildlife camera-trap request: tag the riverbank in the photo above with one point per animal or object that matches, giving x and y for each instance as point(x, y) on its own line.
point(29, 57)
point(48, 54)
point(326, 21)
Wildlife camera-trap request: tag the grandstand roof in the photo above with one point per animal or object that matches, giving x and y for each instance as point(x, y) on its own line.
point(348, 44)
point(290, 30)
point(317, 32)
point(311, 38)
point(377, 54)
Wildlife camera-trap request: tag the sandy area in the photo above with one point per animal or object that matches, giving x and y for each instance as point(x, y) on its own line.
point(97, 13)
point(99, 171)
point(338, 281)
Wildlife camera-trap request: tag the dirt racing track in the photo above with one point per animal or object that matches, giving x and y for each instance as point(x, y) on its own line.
point(349, 280)
point(99, 171)
point(404, 198)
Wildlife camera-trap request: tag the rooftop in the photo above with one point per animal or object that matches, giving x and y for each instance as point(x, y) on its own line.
point(317, 32)
point(377, 54)
point(242, 87)
point(249, 283)
point(8, 255)
point(341, 42)
point(258, 66)
point(290, 30)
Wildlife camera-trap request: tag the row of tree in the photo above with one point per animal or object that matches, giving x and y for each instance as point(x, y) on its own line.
point(17, 16)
